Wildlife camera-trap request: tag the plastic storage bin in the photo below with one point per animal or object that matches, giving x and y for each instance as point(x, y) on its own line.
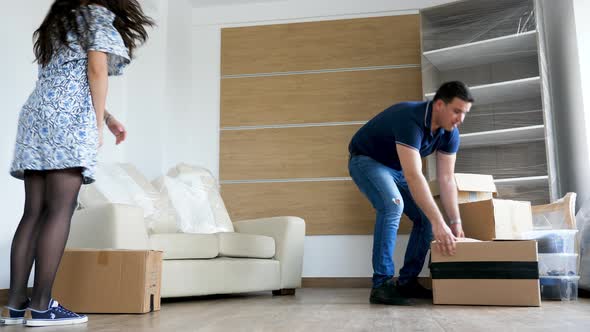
point(554, 265)
point(553, 241)
point(559, 288)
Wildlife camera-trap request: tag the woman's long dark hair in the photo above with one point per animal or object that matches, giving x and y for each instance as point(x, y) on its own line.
point(130, 21)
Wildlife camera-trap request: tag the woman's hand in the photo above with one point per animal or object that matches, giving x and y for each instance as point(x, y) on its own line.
point(117, 129)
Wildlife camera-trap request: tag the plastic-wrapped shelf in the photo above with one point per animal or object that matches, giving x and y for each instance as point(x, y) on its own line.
point(496, 48)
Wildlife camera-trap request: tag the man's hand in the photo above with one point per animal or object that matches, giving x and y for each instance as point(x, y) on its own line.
point(445, 240)
point(457, 230)
point(117, 129)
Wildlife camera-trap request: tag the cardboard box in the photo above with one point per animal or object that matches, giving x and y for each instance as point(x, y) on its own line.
point(487, 273)
point(470, 187)
point(496, 219)
point(109, 281)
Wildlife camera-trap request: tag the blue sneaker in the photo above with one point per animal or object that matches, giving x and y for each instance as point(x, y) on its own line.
point(12, 316)
point(54, 315)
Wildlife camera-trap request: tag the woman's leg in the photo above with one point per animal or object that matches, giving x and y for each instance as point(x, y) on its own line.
point(24, 242)
point(61, 192)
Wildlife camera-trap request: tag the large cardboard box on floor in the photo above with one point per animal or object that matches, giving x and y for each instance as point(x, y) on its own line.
point(470, 187)
point(487, 273)
point(496, 219)
point(109, 281)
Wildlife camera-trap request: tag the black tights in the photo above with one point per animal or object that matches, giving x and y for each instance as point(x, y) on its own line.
point(50, 201)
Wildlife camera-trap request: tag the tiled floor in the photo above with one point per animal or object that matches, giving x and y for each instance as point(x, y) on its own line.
point(321, 309)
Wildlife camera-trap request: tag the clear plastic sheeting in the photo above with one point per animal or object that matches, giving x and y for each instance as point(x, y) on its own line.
point(474, 21)
point(557, 215)
point(117, 184)
point(505, 115)
point(194, 197)
point(504, 161)
point(534, 191)
point(496, 48)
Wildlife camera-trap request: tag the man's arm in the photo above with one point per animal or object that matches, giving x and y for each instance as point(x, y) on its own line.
point(445, 173)
point(412, 168)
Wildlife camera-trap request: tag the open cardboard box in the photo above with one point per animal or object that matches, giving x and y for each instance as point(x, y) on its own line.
point(470, 188)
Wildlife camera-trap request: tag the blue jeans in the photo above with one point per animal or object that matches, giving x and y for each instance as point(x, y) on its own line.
point(389, 194)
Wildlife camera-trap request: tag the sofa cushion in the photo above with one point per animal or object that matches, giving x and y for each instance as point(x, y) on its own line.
point(185, 246)
point(246, 245)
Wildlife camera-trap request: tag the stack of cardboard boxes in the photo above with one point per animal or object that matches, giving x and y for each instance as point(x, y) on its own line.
point(497, 267)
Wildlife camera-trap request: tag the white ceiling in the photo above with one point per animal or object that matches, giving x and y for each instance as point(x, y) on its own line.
point(209, 3)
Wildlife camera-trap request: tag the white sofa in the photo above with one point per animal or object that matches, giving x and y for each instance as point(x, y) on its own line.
point(260, 255)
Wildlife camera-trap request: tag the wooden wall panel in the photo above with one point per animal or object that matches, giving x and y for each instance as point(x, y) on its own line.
point(328, 207)
point(283, 153)
point(298, 96)
point(312, 98)
point(378, 41)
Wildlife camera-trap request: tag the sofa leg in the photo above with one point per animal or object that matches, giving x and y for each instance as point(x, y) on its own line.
point(284, 291)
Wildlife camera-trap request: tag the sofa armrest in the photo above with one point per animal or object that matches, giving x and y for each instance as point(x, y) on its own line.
point(113, 226)
point(289, 235)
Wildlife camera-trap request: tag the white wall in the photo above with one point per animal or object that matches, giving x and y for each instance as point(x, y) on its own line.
point(183, 139)
point(19, 20)
point(567, 54)
point(325, 256)
point(160, 94)
point(146, 94)
point(581, 14)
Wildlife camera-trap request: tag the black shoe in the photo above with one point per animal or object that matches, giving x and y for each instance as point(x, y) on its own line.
point(387, 293)
point(413, 289)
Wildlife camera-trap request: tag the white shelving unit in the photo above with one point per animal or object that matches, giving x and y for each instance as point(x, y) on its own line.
point(485, 51)
point(503, 136)
point(505, 91)
point(528, 180)
point(493, 47)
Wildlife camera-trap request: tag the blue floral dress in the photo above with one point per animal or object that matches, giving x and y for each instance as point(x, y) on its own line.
point(57, 124)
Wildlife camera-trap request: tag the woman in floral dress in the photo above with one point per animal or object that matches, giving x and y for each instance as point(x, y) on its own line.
point(78, 45)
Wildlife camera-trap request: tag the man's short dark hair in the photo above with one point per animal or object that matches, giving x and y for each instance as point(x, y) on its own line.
point(449, 90)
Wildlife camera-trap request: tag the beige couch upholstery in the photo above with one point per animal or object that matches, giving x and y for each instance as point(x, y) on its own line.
point(261, 254)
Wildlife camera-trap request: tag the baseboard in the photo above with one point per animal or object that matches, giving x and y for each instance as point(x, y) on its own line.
point(3, 297)
point(348, 282)
point(336, 282)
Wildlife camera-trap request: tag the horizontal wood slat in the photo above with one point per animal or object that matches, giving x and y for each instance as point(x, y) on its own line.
point(328, 207)
point(364, 42)
point(308, 152)
point(313, 98)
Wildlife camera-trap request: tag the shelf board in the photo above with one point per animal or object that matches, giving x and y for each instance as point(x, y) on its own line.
point(503, 136)
point(525, 181)
point(503, 91)
point(483, 52)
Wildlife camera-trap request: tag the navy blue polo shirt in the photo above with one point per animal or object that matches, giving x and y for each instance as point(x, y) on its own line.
point(405, 123)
